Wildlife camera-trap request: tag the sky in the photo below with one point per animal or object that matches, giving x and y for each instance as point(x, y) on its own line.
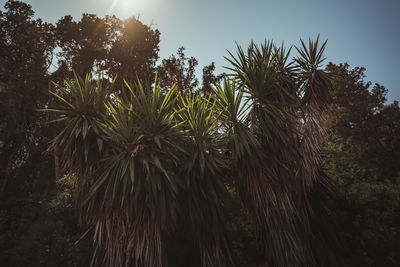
point(360, 32)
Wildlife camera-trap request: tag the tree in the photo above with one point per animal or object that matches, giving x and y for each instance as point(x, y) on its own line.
point(127, 47)
point(26, 47)
point(29, 234)
point(361, 154)
point(361, 119)
point(134, 52)
point(85, 44)
point(179, 70)
point(276, 161)
point(148, 163)
point(209, 79)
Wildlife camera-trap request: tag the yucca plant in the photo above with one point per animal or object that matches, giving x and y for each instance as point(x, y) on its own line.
point(205, 195)
point(148, 165)
point(81, 109)
point(314, 89)
point(257, 180)
point(125, 152)
point(133, 200)
point(274, 175)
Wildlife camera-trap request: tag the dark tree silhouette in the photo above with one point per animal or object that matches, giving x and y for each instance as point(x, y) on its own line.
point(134, 52)
point(209, 79)
point(179, 70)
point(85, 44)
point(26, 47)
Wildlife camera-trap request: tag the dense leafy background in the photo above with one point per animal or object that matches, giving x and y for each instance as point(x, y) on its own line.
point(38, 216)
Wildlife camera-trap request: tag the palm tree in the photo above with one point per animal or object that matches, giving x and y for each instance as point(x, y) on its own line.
point(275, 145)
point(147, 163)
point(205, 194)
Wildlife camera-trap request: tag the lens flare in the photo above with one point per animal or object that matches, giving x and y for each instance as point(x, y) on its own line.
point(112, 6)
point(127, 5)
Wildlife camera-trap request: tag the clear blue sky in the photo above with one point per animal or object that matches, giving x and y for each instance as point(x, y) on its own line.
point(361, 32)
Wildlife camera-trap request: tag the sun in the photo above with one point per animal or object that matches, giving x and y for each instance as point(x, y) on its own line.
point(132, 3)
point(127, 4)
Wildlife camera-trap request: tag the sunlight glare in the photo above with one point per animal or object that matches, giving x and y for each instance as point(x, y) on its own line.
point(127, 4)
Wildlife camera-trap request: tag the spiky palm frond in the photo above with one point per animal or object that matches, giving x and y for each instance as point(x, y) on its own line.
point(261, 68)
point(270, 184)
point(82, 109)
point(133, 199)
point(146, 162)
point(315, 87)
point(127, 191)
point(82, 139)
point(205, 195)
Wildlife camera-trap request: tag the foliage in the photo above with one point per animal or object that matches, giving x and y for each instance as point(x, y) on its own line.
point(361, 156)
point(125, 47)
point(361, 121)
point(374, 218)
point(278, 90)
point(85, 44)
point(34, 232)
point(43, 233)
point(25, 46)
point(179, 70)
point(224, 176)
point(127, 158)
point(134, 52)
point(209, 79)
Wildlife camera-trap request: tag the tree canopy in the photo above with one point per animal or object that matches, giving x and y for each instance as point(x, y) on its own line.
point(282, 161)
